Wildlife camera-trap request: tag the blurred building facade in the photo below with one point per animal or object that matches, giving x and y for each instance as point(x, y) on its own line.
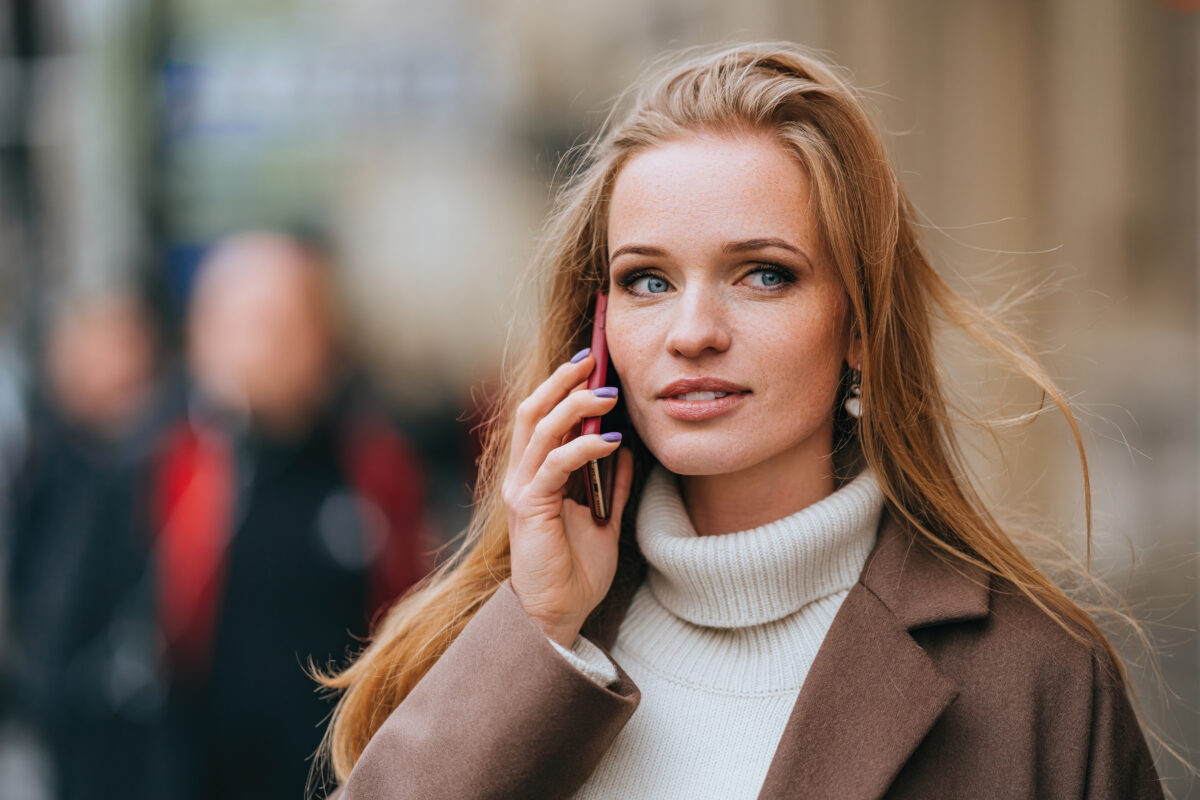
point(1046, 142)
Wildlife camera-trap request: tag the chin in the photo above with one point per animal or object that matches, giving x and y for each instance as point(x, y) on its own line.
point(683, 455)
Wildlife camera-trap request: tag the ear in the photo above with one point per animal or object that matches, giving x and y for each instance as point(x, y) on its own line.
point(854, 351)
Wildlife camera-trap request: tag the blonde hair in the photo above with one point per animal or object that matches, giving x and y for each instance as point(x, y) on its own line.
point(905, 432)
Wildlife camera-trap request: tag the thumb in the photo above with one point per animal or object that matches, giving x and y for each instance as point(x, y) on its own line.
point(621, 484)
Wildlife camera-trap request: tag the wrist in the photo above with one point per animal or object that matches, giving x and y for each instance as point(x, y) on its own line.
point(563, 634)
point(562, 630)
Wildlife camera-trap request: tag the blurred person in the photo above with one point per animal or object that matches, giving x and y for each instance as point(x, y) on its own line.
point(287, 510)
point(84, 680)
point(100, 365)
point(798, 591)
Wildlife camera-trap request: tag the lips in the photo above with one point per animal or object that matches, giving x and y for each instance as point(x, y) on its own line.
point(692, 397)
point(686, 386)
point(695, 399)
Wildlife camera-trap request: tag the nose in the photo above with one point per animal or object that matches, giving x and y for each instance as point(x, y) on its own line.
point(698, 325)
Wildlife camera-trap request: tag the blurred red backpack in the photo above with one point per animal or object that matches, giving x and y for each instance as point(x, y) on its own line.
point(193, 504)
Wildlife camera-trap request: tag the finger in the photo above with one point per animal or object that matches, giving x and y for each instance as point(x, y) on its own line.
point(577, 429)
point(583, 534)
point(581, 518)
point(544, 398)
point(550, 478)
point(621, 485)
point(575, 432)
point(551, 430)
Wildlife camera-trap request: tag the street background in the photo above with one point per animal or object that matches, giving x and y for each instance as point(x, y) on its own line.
point(1050, 145)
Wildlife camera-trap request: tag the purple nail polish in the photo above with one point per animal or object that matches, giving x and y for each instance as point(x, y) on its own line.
point(611, 436)
point(581, 355)
point(605, 391)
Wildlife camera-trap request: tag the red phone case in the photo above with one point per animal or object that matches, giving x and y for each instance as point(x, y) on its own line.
point(599, 475)
point(600, 353)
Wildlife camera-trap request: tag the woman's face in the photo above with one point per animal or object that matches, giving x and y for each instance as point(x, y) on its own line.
point(726, 321)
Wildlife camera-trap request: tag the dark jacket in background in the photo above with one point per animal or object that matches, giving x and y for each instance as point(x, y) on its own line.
point(85, 680)
point(318, 534)
point(321, 533)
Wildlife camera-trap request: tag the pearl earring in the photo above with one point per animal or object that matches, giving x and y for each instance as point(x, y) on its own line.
point(854, 401)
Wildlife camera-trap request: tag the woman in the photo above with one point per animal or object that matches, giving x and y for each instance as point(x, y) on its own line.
point(797, 592)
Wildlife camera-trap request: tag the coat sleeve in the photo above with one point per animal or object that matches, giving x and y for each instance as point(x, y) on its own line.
point(1120, 766)
point(590, 660)
point(500, 715)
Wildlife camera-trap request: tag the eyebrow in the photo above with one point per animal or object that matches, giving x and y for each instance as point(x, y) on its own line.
point(760, 244)
point(729, 247)
point(636, 250)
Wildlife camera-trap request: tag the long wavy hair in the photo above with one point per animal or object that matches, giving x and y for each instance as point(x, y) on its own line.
point(905, 432)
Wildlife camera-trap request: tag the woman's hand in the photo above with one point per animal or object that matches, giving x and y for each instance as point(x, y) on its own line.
point(562, 561)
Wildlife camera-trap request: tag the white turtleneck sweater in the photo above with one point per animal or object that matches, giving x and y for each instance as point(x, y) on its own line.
point(719, 639)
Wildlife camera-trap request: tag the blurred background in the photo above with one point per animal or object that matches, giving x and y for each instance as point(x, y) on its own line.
point(324, 374)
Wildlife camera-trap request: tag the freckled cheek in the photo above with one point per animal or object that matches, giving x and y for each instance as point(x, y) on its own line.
point(631, 354)
point(801, 373)
point(630, 350)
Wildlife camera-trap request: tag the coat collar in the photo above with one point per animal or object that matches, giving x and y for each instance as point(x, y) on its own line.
point(919, 588)
point(872, 693)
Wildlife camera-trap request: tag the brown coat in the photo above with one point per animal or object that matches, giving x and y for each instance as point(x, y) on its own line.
point(931, 683)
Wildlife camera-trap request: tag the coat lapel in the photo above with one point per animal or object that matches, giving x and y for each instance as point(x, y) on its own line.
point(872, 693)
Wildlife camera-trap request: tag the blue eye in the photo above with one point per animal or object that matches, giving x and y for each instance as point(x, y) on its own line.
point(648, 284)
point(768, 277)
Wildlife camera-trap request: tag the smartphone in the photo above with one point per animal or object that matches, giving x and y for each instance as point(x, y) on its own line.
point(598, 476)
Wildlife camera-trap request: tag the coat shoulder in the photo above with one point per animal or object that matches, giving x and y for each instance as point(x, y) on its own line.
point(1040, 697)
point(1021, 649)
point(1040, 639)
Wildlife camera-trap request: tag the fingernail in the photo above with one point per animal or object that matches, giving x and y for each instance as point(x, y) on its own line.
point(605, 391)
point(611, 436)
point(581, 355)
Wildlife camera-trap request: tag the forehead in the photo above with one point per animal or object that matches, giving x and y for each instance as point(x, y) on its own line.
point(712, 187)
point(258, 277)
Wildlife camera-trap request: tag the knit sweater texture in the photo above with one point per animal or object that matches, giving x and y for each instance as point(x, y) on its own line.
point(719, 639)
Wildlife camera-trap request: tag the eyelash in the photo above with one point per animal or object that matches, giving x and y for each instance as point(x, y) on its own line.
point(628, 280)
point(786, 274)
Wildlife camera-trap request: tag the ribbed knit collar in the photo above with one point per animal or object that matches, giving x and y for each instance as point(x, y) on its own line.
point(759, 575)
